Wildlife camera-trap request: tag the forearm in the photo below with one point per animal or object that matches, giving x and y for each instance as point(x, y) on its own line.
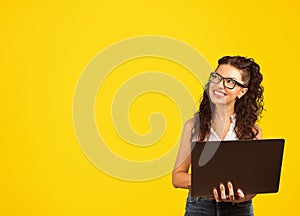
point(181, 180)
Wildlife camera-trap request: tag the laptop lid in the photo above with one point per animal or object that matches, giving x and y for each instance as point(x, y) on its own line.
point(254, 166)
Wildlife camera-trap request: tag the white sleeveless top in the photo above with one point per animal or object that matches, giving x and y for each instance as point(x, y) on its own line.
point(231, 135)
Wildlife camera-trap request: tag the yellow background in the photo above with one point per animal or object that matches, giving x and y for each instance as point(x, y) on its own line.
point(45, 46)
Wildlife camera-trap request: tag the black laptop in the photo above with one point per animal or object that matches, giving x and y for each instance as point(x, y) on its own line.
point(254, 166)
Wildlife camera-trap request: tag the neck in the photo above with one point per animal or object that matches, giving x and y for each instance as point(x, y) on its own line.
point(221, 120)
point(223, 113)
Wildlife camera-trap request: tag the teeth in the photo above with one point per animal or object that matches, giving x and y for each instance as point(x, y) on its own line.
point(219, 93)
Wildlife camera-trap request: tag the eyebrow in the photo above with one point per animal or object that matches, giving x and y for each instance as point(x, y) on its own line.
point(234, 78)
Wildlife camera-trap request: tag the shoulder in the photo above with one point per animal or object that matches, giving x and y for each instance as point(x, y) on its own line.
point(189, 123)
point(257, 129)
point(188, 127)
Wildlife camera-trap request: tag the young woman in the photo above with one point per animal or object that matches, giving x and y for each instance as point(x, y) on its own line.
point(231, 104)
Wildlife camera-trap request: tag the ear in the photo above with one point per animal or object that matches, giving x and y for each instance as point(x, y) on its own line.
point(242, 92)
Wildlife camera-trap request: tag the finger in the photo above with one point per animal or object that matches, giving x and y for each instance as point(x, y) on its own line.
point(222, 190)
point(216, 195)
point(230, 190)
point(240, 194)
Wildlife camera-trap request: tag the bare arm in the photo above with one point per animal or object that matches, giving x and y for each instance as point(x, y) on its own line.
point(180, 176)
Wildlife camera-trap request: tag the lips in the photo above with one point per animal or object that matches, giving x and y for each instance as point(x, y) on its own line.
point(218, 93)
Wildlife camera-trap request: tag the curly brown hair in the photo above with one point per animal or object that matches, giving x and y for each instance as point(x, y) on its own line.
point(248, 109)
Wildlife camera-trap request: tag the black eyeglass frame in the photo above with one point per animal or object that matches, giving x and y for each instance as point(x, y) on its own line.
point(226, 78)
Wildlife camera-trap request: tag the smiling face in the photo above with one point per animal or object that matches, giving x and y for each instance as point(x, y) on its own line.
point(221, 95)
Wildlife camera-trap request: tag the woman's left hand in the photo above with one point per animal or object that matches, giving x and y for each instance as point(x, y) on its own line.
point(230, 197)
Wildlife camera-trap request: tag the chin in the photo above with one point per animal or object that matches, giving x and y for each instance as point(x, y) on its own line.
point(217, 100)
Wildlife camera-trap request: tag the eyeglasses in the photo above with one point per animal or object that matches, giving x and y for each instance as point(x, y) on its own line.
point(227, 82)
